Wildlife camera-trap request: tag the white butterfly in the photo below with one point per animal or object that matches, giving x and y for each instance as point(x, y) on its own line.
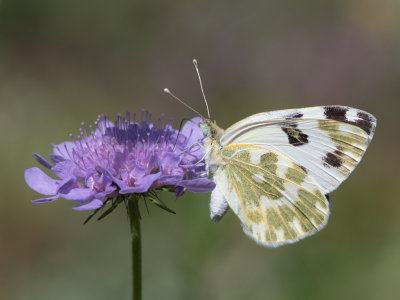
point(275, 169)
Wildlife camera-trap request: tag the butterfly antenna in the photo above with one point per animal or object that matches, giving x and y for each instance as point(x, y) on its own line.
point(201, 86)
point(167, 91)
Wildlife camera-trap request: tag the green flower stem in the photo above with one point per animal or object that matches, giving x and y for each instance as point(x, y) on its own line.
point(134, 219)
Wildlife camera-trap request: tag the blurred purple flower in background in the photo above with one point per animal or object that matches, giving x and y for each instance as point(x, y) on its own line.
point(122, 158)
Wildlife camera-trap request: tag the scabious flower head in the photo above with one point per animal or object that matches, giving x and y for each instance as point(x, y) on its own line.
point(120, 158)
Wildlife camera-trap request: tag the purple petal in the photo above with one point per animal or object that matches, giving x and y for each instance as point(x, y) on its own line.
point(192, 131)
point(41, 160)
point(169, 180)
point(108, 191)
point(94, 204)
point(40, 181)
point(193, 137)
point(67, 169)
point(145, 184)
point(138, 171)
point(120, 183)
point(56, 158)
point(79, 195)
point(169, 162)
point(179, 191)
point(153, 162)
point(199, 185)
point(45, 200)
point(91, 179)
point(106, 180)
point(66, 185)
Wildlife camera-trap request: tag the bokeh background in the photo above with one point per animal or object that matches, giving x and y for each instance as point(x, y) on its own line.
point(66, 61)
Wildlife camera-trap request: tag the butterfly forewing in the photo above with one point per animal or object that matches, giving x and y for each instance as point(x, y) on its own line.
point(327, 142)
point(275, 199)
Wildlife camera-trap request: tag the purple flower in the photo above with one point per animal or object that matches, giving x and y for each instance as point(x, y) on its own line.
point(120, 158)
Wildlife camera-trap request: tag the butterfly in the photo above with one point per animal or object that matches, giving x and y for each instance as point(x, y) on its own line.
point(275, 170)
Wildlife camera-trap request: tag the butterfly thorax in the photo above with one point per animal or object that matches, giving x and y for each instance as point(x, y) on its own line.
point(212, 147)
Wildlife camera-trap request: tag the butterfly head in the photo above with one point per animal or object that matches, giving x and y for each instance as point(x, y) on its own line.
point(210, 129)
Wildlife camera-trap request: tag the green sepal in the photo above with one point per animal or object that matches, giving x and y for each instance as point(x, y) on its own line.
point(152, 196)
point(160, 204)
point(113, 206)
point(114, 203)
point(95, 212)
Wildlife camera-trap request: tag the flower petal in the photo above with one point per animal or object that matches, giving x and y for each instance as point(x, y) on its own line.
point(41, 160)
point(56, 158)
point(79, 195)
point(121, 184)
point(45, 200)
point(199, 185)
point(66, 185)
point(106, 179)
point(66, 169)
point(94, 204)
point(179, 191)
point(169, 180)
point(138, 171)
point(144, 185)
point(108, 191)
point(170, 162)
point(192, 131)
point(40, 181)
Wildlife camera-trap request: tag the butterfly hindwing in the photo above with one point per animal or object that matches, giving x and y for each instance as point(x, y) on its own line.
point(327, 142)
point(275, 199)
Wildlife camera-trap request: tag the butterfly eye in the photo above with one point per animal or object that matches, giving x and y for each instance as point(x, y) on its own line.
point(213, 131)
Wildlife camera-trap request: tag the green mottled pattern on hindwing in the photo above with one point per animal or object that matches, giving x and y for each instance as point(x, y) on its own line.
point(255, 216)
point(271, 186)
point(268, 161)
point(274, 209)
point(295, 174)
point(308, 203)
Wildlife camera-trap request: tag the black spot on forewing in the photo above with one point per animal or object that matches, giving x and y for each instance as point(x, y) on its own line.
point(365, 122)
point(333, 159)
point(296, 136)
point(337, 113)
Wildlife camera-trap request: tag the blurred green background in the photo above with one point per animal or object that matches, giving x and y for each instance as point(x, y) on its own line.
point(66, 61)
